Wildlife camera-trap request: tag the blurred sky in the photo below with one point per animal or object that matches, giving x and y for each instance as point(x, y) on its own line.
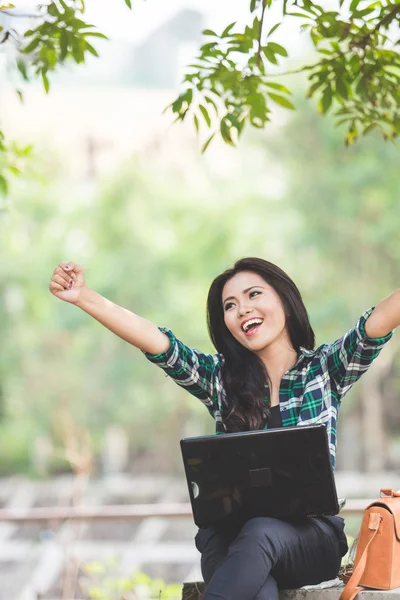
point(135, 25)
point(148, 15)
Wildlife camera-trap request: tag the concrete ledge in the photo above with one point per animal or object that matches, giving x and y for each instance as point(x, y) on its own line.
point(333, 593)
point(195, 591)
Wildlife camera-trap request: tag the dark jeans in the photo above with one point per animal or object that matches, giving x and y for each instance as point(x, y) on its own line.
point(254, 560)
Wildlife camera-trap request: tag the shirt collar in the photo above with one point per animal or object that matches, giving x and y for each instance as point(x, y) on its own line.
point(306, 352)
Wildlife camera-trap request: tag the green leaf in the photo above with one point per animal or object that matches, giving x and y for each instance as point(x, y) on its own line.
point(225, 132)
point(326, 100)
point(343, 121)
point(3, 186)
point(79, 24)
point(274, 28)
point(205, 114)
point(281, 100)
point(53, 10)
point(238, 125)
point(295, 14)
point(22, 69)
point(63, 44)
point(315, 37)
point(255, 29)
point(26, 151)
point(52, 59)
point(277, 86)
point(354, 4)
point(196, 122)
point(77, 50)
point(315, 86)
point(341, 89)
point(46, 83)
point(361, 89)
point(205, 146)
point(211, 101)
point(176, 104)
point(20, 95)
point(198, 66)
point(209, 32)
point(90, 48)
point(369, 128)
point(208, 46)
point(269, 55)
point(359, 14)
point(31, 46)
point(258, 106)
point(227, 30)
point(128, 3)
point(257, 121)
point(182, 114)
point(277, 49)
point(95, 34)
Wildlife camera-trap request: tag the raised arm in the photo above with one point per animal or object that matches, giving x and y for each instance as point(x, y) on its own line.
point(352, 354)
point(68, 284)
point(385, 317)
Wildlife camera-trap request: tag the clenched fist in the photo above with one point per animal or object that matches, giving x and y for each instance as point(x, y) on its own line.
point(67, 282)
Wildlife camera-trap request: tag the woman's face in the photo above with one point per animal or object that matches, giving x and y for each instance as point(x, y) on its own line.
point(253, 311)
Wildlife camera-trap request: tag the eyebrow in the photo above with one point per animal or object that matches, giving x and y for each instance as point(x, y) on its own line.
point(244, 292)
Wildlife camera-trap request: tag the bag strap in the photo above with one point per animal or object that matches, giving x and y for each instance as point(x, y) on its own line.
point(352, 588)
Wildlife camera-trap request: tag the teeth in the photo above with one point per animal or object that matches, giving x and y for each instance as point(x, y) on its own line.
point(251, 322)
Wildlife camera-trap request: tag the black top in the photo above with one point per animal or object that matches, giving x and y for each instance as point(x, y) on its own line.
point(275, 421)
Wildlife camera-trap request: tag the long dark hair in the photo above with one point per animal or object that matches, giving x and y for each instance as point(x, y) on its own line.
point(244, 374)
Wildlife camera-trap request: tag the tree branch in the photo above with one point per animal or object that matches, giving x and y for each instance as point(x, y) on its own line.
point(19, 15)
point(264, 5)
point(387, 19)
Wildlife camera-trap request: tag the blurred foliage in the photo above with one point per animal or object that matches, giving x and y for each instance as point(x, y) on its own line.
point(103, 582)
point(355, 72)
point(356, 69)
point(348, 213)
point(59, 36)
point(152, 240)
point(12, 162)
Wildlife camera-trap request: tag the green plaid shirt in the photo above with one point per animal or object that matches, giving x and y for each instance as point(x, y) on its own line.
point(310, 392)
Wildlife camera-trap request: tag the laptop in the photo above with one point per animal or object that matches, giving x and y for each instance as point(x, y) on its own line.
point(284, 473)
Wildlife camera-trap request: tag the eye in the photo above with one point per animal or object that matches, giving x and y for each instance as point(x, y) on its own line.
point(254, 293)
point(228, 305)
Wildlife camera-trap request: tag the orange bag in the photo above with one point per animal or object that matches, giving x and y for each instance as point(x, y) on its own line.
point(377, 562)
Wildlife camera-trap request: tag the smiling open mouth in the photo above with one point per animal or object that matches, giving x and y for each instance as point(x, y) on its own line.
point(252, 325)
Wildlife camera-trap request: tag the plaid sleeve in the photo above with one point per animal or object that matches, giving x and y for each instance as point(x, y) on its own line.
point(189, 368)
point(351, 355)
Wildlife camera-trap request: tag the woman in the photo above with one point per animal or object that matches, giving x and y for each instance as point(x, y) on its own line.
point(266, 374)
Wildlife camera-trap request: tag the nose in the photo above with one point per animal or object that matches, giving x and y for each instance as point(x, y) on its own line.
point(244, 310)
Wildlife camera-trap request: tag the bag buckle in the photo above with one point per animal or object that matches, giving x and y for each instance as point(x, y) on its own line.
point(374, 521)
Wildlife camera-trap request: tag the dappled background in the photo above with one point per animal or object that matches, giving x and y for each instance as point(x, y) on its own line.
point(113, 186)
